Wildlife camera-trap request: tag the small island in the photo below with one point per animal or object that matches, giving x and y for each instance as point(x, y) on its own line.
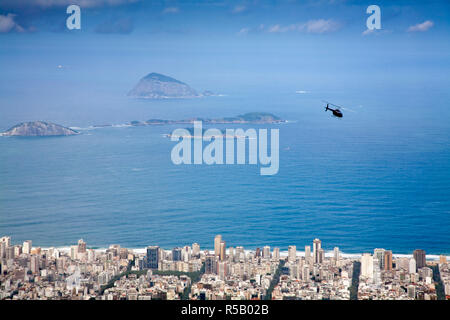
point(38, 129)
point(159, 86)
point(248, 118)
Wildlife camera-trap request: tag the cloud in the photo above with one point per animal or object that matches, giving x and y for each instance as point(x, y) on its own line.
point(321, 26)
point(8, 24)
point(244, 31)
point(247, 30)
point(275, 28)
point(171, 10)
point(311, 26)
point(45, 4)
point(369, 31)
point(280, 29)
point(239, 9)
point(421, 27)
point(376, 32)
point(121, 26)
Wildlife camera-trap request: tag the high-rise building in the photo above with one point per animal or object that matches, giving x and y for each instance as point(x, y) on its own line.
point(2, 250)
point(9, 252)
point(196, 250)
point(367, 265)
point(442, 259)
point(217, 241)
point(336, 253)
point(266, 252)
point(276, 253)
point(306, 274)
point(186, 253)
point(17, 250)
point(321, 256)
point(294, 271)
point(222, 269)
point(376, 270)
point(420, 257)
point(379, 255)
point(90, 255)
point(307, 254)
point(81, 246)
point(152, 257)
point(317, 245)
point(176, 254)
point(34, 264)
point(240, 253)
point(412, 265)
point(73, 252)
point(114, 249)
point(402, 264)
point(292, 253)
point(210, 264)
point(388, 260)
point(123, 253)
point(258, 253)
point(26, 247)
point(231, 253)
point(222, 253)
point(6, 240)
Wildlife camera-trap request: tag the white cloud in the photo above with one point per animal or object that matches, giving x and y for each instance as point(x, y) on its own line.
point(239, 9)
point(280, 29)
point(244, 31)
point(275, 28)
point(171, 10)
point(368, 31)
point(7, 24)
point(311, 26)
point(421, 27)
point(321, 26)
point(376, 32)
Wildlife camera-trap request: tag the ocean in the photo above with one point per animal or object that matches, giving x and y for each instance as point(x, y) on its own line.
point(377, 178)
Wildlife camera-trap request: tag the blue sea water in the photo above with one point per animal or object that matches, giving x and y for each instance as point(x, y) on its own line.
point(373, 179)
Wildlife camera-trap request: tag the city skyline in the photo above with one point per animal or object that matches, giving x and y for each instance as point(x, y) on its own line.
point(263, 274)
point(330, 251)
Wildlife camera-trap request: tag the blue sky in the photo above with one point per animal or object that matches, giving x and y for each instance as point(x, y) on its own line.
point(220, 17)
point(223, 46)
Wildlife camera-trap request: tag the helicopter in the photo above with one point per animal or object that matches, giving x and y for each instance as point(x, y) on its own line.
point(336, 112)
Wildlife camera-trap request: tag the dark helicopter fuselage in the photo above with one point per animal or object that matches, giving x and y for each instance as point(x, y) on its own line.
point(336, 112)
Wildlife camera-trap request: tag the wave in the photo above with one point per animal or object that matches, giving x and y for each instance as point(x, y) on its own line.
point(95, 127)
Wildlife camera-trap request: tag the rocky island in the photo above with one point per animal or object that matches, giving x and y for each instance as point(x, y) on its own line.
point(38, 129)
point(159, 86)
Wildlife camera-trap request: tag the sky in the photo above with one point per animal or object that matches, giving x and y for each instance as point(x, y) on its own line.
point(223, 46)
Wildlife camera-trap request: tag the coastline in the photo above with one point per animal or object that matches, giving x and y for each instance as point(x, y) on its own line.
point(284, 253)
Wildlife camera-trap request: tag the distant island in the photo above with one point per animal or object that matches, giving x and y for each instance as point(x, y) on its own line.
point(41, 128)
point(159, 86)
point(252, 117)
point(38, 129)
